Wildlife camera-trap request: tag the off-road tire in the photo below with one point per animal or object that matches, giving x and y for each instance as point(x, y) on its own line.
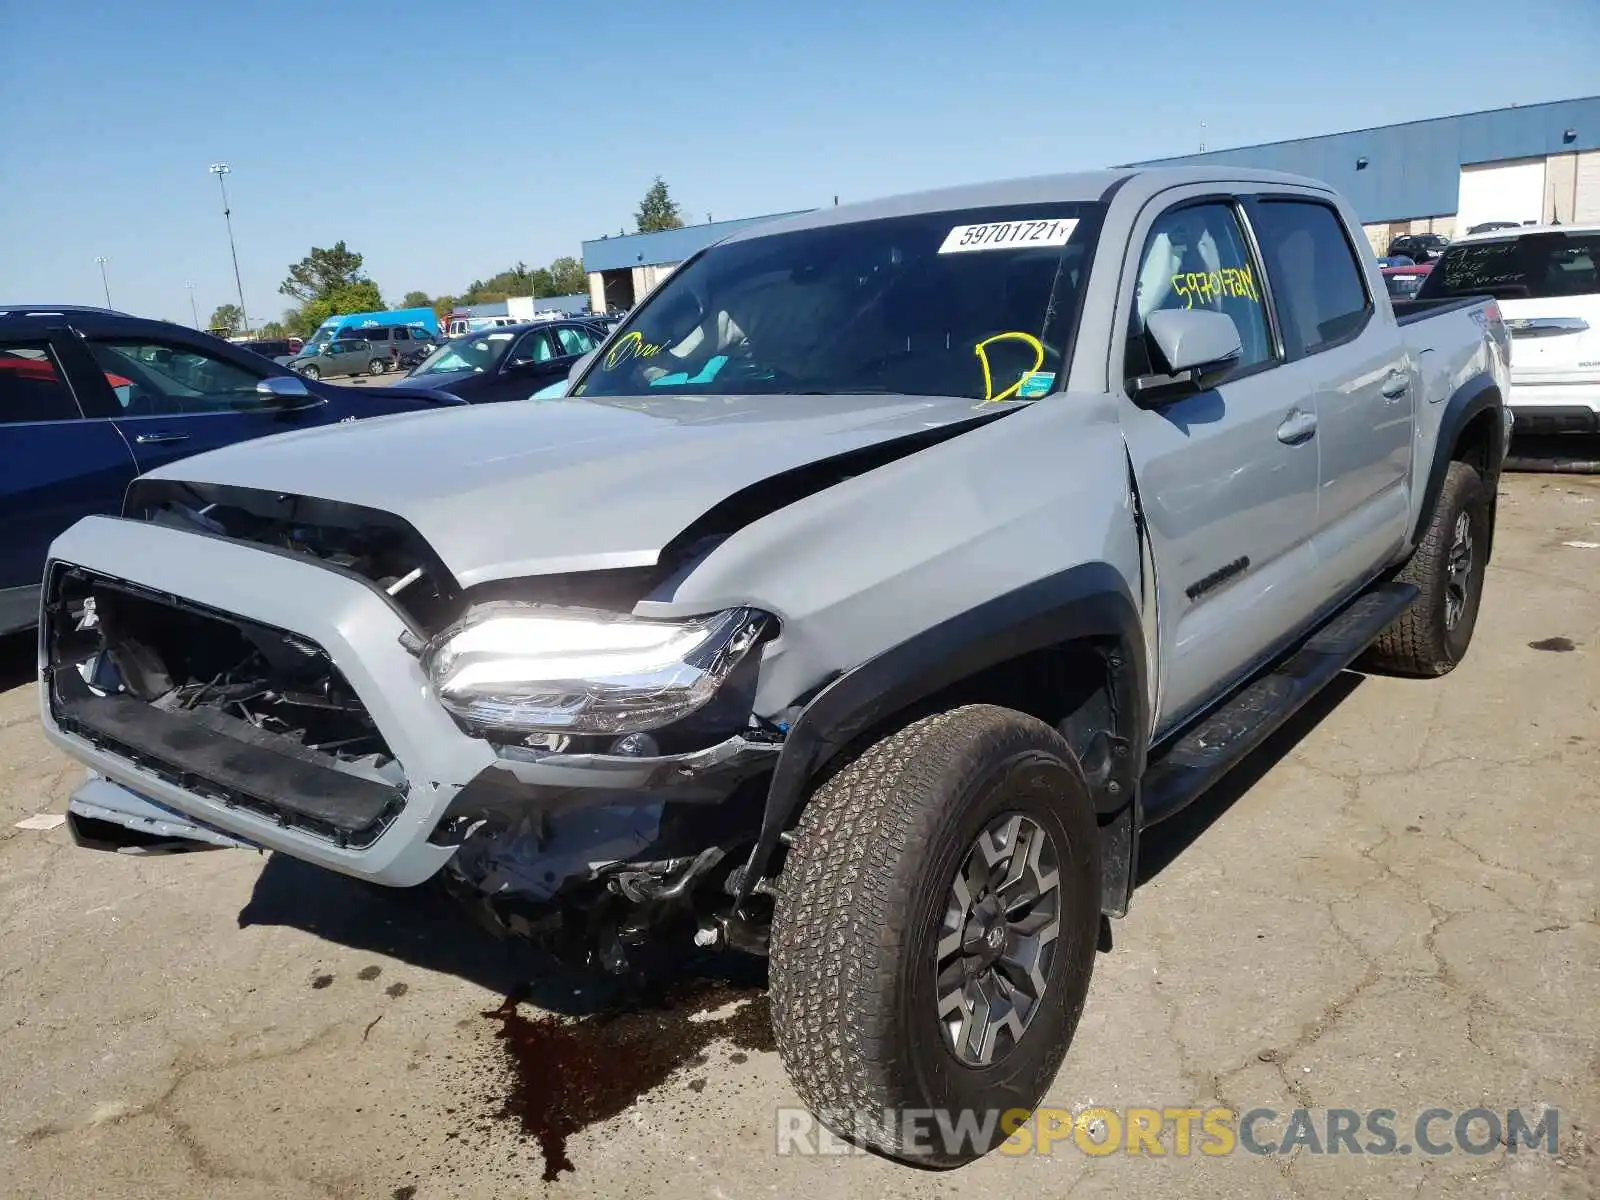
point(311, 372)
point(857, 923)
point(1421, 643)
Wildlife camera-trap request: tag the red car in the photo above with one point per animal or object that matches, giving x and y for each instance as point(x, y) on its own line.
point(1403, 282)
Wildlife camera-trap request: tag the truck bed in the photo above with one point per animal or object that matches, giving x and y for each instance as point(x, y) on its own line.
point(1408, 312)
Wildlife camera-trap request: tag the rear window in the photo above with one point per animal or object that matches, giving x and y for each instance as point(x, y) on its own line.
point(1532, 266)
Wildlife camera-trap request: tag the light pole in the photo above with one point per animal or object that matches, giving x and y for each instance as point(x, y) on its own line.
point(193, 311)
point(101, 259)
point(219, 169)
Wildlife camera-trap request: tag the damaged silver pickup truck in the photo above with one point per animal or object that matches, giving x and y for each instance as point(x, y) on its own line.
point(876, 584)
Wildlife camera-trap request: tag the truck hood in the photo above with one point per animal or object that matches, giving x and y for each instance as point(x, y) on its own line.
point(507, 490)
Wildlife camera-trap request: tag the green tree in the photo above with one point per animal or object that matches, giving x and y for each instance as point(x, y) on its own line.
point(443, 306)
point(227, 317)
point(322, 272)
point(274, 329)
point(515, 280)
point(657, 211)
point(416, 300)
point(567, 277)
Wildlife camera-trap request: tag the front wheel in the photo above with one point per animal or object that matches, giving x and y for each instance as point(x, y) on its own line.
point(377, 366)
point(310, 372)
point(1432, 636)
point(935, 933)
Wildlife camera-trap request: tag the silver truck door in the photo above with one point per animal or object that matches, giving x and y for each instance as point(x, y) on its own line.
point(1227, 477)
point(1345, 350)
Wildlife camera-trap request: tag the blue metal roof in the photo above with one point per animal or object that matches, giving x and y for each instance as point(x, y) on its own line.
point(668, 246)
point(1414, 169)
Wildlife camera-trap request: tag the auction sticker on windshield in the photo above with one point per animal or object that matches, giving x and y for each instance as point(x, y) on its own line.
point(1008, 235)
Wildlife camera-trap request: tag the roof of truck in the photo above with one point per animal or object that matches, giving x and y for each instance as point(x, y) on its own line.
point(1084, 186)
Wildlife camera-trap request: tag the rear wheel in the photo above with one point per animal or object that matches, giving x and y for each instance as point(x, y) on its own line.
point(935, 934)
point(1432, 636)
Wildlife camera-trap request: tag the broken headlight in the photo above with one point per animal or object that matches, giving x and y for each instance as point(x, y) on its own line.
point(533, 668)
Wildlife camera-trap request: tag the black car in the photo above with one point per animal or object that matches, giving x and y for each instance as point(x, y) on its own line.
point(1419, 247)
point(279, 350)
point(510, 362)
point(90, 398)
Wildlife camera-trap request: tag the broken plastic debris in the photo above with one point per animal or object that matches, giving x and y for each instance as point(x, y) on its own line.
point(42, 821)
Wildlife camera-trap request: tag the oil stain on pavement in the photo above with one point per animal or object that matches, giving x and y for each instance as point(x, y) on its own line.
point(1560, 645)
point(566, 1074)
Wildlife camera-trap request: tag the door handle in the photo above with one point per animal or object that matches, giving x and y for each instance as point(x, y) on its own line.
point(1297, 427)
point(159, 439)
point(1396, 384)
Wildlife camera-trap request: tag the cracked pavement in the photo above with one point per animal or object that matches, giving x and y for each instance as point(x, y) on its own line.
point(1396, 904)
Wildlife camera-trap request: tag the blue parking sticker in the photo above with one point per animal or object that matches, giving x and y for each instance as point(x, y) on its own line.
point(1036, 384)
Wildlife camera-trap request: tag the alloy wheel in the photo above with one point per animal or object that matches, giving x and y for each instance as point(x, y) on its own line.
point(997, 940)
point(1458, 569)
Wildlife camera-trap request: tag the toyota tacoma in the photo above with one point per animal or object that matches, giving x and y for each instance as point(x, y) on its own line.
point(873, 588)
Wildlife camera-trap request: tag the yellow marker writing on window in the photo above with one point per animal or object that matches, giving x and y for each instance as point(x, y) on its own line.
point(631, 346)
point(982, 351)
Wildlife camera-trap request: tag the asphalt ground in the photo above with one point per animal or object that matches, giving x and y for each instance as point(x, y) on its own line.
point(1394, 906)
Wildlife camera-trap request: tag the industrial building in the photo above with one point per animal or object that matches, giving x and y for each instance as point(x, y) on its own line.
point(1533, 164)
point(624, 268)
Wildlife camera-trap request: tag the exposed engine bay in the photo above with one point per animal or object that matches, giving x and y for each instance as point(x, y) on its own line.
point(261, 718)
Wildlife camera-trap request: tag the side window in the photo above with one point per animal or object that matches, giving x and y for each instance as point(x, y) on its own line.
point(534, 347)
point(161, 379)
point(32, 387)
point(574, 340)
point(400, 335)
point(1197, 257)
point(1316, 281)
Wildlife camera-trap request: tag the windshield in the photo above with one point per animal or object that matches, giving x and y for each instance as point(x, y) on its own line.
point(1403, 285)
point(1532, 266)
point(979, 303)
point(476, 352)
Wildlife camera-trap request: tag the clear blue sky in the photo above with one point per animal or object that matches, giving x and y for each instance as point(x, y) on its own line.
point(560, 114)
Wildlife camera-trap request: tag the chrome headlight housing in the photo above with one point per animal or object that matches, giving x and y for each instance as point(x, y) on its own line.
point(537, 668)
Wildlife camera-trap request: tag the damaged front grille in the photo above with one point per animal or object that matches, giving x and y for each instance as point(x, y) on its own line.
point(228, 708)
point(377, 547)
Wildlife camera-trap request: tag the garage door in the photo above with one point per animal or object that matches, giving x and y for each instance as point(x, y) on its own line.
point(1504, 191)
point(1587, 191)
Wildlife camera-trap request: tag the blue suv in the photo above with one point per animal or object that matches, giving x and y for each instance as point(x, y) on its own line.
point(90, 398)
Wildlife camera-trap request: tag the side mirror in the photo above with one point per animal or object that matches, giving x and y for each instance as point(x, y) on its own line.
point(1195, 349)
point(579, 366)
point(284, 389)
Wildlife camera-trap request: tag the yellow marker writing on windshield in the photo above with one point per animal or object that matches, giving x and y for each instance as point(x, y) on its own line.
point(631, 346)
point(988, 379)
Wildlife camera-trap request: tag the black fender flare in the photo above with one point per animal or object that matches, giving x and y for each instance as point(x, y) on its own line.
point(1472, 398)
point(1089, 601)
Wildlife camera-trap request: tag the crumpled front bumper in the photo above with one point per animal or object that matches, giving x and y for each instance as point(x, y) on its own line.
point(447, 772)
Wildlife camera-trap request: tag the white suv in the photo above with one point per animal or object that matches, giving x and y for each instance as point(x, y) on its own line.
point(1547, 279)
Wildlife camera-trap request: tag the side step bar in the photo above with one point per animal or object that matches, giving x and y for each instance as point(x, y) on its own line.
point(1208, 750)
